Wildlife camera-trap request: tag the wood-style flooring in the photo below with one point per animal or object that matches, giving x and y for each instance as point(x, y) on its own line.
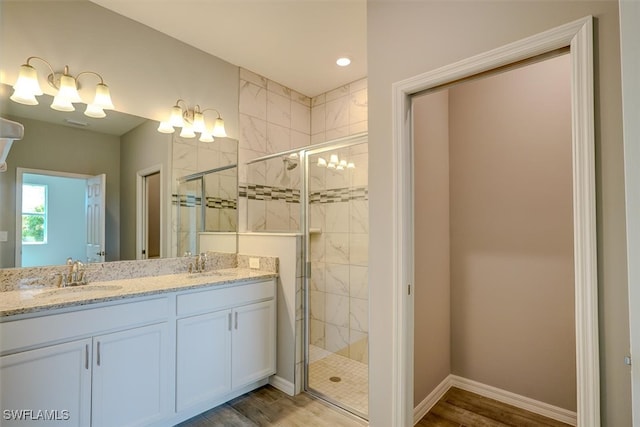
point(459, 408)
point(268, 406)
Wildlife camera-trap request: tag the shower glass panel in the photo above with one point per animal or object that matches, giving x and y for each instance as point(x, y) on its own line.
point(189, 215)
point(337, 289)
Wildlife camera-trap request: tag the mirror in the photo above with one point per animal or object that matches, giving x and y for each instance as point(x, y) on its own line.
point(128, 150)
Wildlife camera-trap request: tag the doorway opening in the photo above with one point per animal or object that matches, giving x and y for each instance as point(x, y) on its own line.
point(149, 223)
point(493, 233)
point(578, 35)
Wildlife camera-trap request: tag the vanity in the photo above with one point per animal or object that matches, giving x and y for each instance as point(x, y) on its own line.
point(142, 351)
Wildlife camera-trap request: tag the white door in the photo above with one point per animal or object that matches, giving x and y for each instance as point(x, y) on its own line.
point(55, 378)
point(203, 358)
point(131, 377)
point(96, 204)
point(253, 343)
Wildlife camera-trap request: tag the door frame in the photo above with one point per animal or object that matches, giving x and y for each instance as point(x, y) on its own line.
point(141, 209)
point(578, 35)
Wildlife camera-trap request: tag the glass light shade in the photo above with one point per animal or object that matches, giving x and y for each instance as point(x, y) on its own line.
point(343, 163)
point(334, 159)
point(94, 111)
point(331, 165)
point(176, 117)
point(69, 88)
point(198, 123)
point(322, 162)
point(187, 132)
point(103, 97)
point(351, 165)
point(218, 128)
point(26, 87)
point(340, 167)
point(165, 127)
point(205, 136)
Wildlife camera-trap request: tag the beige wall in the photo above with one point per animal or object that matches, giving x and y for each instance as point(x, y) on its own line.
point(512, 286)
point(61, 148)
point(432, 334)
point(142, 148)
point(422, 36)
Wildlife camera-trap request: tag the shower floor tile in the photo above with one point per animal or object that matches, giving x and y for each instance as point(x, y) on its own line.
point(352, 389)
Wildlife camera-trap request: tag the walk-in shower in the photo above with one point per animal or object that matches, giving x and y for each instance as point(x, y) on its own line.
point(321, 192)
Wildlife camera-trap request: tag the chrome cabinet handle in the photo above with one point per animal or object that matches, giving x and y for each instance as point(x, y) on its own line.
point(236, 320)
point(98, 353)
point(86, 356)
point(229, 320)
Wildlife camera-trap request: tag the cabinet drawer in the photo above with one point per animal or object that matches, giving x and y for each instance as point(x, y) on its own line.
point(35, 331)
point(215, 299)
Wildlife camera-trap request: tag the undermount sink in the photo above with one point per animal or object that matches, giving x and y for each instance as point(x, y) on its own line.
point(70, 290)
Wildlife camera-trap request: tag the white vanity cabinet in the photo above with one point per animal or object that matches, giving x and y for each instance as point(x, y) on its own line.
point(226, 340)
point(104, 379)
point(56, 378)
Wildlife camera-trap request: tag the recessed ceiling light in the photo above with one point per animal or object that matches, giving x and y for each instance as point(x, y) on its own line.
point(343, 62)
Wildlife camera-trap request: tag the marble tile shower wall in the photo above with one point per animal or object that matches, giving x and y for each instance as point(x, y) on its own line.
point(338, 296)
point(273, 119)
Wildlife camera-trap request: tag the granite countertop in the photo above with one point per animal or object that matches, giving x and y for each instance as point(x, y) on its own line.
point(31, 299)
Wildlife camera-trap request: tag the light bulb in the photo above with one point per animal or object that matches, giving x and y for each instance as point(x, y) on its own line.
point(165, 127)
point(198, 123)
point(176, 117)
point(103, 97)
point(67, 94)
point(205, 136)
point(94, 111)
point(187, 132)
point(218, 128)
point(26, 87)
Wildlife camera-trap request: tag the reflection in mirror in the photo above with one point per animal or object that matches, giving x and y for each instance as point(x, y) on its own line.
point(208, 215)
point(124, 148)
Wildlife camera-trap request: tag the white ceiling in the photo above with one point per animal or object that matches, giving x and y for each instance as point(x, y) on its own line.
point(292, 42)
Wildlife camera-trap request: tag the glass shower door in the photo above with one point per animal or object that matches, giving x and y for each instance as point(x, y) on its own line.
point(337, 290)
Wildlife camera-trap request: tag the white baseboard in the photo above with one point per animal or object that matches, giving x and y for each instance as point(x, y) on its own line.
point(522, 402)
point(425, 406)
point(282, 385)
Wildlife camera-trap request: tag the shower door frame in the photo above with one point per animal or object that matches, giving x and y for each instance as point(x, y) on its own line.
point(305, 153)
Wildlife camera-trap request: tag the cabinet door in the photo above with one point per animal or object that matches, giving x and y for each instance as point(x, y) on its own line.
point(49, 385)
point(203, 358)
point(253, 343)
point(131, 377)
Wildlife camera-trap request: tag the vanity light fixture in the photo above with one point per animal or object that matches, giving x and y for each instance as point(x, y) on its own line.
point(27, 88)
point(192, 121)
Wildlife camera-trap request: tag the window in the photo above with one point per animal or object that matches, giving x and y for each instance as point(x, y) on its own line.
point(34, 214)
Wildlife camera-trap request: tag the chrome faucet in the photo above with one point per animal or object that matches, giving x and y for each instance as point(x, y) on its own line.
point(199, 264)
point(75, 275)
